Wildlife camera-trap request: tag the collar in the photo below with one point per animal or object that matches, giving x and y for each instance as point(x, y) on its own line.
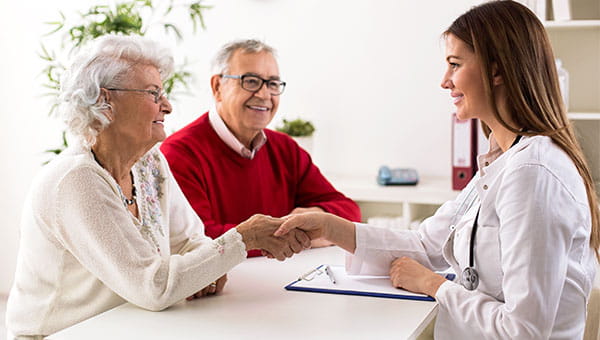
point(228, 138)
point(484, 161)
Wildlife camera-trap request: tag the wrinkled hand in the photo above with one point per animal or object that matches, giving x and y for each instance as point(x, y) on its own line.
point(210, 289)
point(296, 238)
point(257, 233)
point(409, 274)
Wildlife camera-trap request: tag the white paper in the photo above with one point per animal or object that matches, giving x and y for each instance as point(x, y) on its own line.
point(355, 283)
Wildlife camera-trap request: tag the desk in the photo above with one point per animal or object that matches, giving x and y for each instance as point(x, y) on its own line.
point(255, 305)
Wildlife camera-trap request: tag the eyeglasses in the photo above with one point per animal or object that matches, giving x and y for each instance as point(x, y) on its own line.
point(158, 94)
point(254, 83)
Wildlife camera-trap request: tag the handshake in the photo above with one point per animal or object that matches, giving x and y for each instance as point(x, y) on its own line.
point(283, 237)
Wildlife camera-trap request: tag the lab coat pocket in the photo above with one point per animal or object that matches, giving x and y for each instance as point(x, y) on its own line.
point(488, 261)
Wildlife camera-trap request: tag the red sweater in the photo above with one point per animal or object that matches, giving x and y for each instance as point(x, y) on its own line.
point(226, 189)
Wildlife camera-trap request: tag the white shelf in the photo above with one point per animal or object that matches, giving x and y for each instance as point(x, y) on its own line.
point(584, 115)
point(432, 190)
point(575, 24)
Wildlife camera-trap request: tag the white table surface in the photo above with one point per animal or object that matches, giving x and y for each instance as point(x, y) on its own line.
point(255, 305)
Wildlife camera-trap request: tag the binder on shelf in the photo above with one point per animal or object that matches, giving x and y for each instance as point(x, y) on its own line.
point(464, 151)
point(562, 10)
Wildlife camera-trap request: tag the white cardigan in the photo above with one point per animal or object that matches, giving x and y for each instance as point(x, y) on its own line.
point(82, 252)
point(532, 251)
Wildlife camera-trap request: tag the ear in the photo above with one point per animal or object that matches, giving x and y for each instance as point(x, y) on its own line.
point(215, 85)
point(105, 98)
point(498, 80)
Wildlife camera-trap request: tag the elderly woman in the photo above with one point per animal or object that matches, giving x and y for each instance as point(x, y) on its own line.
point(105, 222)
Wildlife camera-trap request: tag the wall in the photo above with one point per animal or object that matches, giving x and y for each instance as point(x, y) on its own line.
point(367, 73)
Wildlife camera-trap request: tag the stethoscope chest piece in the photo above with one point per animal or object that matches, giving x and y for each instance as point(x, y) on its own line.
point(470, 278)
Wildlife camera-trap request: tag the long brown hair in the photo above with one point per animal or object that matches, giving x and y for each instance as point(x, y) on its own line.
point(510, 40)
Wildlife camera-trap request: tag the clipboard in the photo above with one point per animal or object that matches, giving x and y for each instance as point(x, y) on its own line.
point(318, 281)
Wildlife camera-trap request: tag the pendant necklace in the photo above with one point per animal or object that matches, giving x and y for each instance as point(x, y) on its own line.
point(126, 200)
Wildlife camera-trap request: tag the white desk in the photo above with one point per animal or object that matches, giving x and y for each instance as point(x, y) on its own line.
point(255, 305)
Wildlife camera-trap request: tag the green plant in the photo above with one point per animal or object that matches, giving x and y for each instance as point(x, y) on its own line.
point(297, 128)
point(127, 17)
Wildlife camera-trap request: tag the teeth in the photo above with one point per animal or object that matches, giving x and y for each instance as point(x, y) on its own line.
point(158, 122)
point(259, 108)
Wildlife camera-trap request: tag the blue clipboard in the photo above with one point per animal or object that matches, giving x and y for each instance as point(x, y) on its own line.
point(319, 281)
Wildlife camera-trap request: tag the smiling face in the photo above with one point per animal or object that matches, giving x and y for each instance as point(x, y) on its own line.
point(246, 113)
point(135, 114)
point(464, 80)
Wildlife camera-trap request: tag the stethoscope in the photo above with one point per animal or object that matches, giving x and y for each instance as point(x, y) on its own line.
point(470, 277)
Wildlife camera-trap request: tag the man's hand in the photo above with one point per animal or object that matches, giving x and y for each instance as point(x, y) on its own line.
point(409, 274)
point(212, 289)
point(257, 233)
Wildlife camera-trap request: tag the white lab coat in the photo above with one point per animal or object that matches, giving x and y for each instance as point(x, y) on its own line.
point(532, 251)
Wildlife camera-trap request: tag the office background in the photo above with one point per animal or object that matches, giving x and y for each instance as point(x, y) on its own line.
point(367, 74)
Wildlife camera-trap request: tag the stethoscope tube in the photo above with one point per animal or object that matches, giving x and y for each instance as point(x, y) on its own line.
point(470, 277)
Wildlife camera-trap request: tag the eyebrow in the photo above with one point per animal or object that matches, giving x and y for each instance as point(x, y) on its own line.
point(258, 75)
point(452, 56)
point(152, 85)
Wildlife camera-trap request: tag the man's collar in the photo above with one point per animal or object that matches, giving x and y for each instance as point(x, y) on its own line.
point(229, 138)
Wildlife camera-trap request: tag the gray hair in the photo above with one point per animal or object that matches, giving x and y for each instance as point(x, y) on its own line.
point(221, 61)
point(105, 63)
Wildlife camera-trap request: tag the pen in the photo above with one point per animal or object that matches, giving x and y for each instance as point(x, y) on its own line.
point(330, 274)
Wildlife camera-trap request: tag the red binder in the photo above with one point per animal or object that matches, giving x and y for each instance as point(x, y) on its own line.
point(464, 151)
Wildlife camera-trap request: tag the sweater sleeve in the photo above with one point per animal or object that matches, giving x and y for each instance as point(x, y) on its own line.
point(314, 190)
point(94, 227)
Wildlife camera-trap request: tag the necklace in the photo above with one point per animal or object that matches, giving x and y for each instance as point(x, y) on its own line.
point(126, 200)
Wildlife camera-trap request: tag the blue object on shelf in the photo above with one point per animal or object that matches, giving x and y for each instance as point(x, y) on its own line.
point(397, 176)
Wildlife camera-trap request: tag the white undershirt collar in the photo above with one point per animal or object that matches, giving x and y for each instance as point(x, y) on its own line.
point(229, 138)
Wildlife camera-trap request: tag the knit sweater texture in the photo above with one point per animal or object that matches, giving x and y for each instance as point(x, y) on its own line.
point(82, 252)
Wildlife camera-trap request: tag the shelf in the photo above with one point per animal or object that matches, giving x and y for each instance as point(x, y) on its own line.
point(584, 115)
point(432, 190)
point(575, 24)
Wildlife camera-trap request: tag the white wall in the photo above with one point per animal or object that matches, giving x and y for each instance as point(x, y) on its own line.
point(367, 73)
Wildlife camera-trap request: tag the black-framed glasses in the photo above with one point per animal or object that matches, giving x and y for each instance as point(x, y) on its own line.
point(253, 83)
point(158, 94)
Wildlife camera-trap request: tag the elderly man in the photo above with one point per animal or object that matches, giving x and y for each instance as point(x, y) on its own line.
point(230, 166)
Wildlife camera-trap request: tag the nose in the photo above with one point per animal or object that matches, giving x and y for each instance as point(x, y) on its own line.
point(446, 82)
point(165, 105)
point(263, 92)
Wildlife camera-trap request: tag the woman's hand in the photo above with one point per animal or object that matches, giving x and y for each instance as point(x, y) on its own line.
point(316, 225)
point(319, 242)
point(409, 274)
point(257, 233)
point(212, 289)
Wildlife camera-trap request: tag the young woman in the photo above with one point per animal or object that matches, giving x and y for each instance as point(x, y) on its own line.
point(523, 236)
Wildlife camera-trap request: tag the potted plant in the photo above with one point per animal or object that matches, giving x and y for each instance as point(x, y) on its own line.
point(300, 130)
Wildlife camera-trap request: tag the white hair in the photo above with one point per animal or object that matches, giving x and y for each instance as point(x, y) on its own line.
point(105, 63)
point(221, 62)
